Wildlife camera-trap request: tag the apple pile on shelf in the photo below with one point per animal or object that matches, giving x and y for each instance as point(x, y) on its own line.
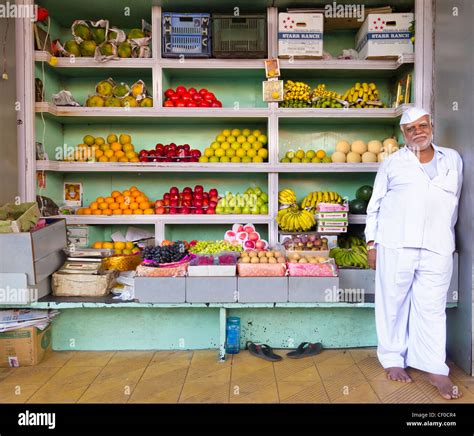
point(188, 201)
point(170, 153)
point(246, 236)
point(182, 97)
point(253, 201)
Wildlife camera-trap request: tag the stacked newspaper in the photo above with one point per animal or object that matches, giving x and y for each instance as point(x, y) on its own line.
point(13, 319)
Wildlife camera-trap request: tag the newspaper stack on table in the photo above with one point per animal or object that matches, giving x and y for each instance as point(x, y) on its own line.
point(13, 319)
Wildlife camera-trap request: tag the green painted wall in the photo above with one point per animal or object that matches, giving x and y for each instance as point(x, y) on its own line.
point(161, 329)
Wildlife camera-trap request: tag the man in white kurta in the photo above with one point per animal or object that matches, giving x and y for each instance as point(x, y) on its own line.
point(410, 237)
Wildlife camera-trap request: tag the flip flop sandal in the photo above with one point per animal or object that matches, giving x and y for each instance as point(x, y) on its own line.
point(263, 351)
point(305, 349)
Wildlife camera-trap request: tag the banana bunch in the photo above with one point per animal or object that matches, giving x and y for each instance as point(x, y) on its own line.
point(287, 196)
point(350, 257)
point(321, 91)
point(312, 200)
point(296, 91)
point(350, 242)
point(364, 95)
point(293, 219)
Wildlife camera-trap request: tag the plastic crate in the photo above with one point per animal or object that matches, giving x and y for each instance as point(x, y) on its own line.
point(186, 34)
point(241, 37)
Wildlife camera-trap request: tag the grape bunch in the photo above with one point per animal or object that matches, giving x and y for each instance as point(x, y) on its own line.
point(166, 254)
point(214, 247)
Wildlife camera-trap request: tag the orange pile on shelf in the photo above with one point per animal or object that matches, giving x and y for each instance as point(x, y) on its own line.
point(129, 202)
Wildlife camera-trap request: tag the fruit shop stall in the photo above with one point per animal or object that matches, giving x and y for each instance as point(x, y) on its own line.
point(185, 147)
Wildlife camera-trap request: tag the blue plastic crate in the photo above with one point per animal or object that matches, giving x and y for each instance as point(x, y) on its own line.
point(186, 34)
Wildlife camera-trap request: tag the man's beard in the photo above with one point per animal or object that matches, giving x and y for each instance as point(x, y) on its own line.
point(420, 146)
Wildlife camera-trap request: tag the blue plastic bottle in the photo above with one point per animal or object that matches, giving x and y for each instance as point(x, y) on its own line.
point(232, 345)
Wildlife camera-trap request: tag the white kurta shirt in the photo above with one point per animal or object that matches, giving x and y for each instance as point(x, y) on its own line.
point(408, 209)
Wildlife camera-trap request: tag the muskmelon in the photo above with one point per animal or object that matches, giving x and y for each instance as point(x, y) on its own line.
point(359, 146)
point(375, 146)
point(338, 157)
point(368, 156)
point(354, 157)
point(343, 146)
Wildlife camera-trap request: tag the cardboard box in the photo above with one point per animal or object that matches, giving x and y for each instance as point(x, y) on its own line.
point(384, 36)
point(300, 35)
point(24, 347)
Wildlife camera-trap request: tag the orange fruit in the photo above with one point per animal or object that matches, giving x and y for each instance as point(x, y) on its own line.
point(103, 206)
point(138, 212)
point(148, 212)
point(140, 198)
point(133, 205)
point(125, 139)
point(112, 138)
point(115, 194)
point(109, 200)
point(144, 205)
point(320, 154)
point(123, 206)
point(98, 153)
point(99, 140)
point(130, 154)
point(134, 159)
point(108, 153)
point(113, 159)
point(123, 159)
point(126, 193)
point(80, 211)
point(119, 153)
point(117, 212)
point(133, 188)
point(87, 211)
point(127, 199)
point(100, 199)
point(128, 147)
point(127, 211)
point(94, 205)
point(107, 212)
point(97, 245)
point(114, 206)
point(136, 193)
point(103, 159)
point(116, 146)
point(96, 212)
point(120, 198)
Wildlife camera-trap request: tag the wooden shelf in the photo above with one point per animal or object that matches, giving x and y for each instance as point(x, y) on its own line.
point(86, 167)
point(87, 62)
point(166, 219)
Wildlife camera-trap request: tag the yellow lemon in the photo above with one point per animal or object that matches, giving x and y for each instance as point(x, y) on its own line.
point(119, 245)
point(112, 138)
point(125, 139)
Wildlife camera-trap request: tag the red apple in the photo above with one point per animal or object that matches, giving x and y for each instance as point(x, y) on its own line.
point(160, 210)
point(185, 210)
point(254, 236)
point(197, 97)
point(214, 198)
point(261, 245)
point(203, 91)
point(159, 147)
point(242, 236)
point(197, 203)
point(167, 196)
point(166, 202)
point(210, 97)
point(249, 245)
point(187, 190)
point(174, 98)
point(205, 202)
point(198, 188)
point(198, 197)
point(213, 204)
point(216, 104)
point(173, 211)
point(195, 153)
point(240, 228)
point(192, 91)
point(174, 202)
point(211, 211)
point(168, 103)
point(199, 211)
point(180, 90)
point(187, 203)
point(213, 192)
point(169, 92)
point(194, 159)
point(204, 103)
point(174, 191)
point(186, 96)
point(205, 195)
point(180, 103)
point(143, 153)
point(159, 203)
point(249, 228)
point(187, 196)
point(186, 147)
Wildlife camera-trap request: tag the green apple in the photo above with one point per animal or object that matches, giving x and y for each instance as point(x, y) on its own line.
point(228, 210)
point(260, 202)
point(222, 202)
point(255, 210)
point(306, 160)
point(232, 202)
point(295, 160)
point(237, 210)
point(246, 210)
point(264, 209)
point(290, 154)
point(285, 160)
point(258, 191)
point(264, 197)
point(220, 210)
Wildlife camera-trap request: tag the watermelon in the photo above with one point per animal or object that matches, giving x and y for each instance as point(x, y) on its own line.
point(357, 206)
point(364, 193)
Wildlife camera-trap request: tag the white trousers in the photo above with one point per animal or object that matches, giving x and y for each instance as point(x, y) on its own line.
point(411, 286)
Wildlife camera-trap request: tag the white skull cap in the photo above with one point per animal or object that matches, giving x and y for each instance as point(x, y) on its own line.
point(412, 114)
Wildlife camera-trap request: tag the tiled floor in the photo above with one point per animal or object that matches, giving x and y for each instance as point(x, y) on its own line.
point(334, 376)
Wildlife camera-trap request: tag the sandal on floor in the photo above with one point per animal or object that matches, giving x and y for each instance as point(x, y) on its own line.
point(305, 349)
point(263, 351)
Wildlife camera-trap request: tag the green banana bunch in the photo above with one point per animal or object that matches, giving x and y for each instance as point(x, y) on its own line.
point(348, 257)
point(287, 196)
point(293, 219)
